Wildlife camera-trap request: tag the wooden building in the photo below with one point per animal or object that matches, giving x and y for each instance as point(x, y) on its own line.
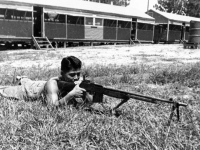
point(72, 21)
point(143, 30)
point(170, 27)
point(142, 26)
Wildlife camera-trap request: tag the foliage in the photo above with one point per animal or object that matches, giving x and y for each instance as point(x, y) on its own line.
point(172, 6)
point(182, 7)
point(193, 8)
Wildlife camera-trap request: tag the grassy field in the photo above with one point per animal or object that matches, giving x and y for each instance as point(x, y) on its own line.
point(163, 71)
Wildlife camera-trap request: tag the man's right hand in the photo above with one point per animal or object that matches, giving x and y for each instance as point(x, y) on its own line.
point(77, 92)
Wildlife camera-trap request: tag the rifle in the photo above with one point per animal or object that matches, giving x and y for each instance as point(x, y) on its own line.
point(99, 91)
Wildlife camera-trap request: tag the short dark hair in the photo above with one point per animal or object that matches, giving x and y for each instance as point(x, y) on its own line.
point(70, 62)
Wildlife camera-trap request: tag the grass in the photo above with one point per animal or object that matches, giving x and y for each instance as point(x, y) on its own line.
point(142, 126)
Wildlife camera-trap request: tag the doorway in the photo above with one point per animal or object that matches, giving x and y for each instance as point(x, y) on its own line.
point(38, 17)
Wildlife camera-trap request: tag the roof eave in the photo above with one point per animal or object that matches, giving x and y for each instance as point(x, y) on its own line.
point(77, 10)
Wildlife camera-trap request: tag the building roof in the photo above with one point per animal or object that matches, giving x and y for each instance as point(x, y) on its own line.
point(176, 17)
point(81, 5)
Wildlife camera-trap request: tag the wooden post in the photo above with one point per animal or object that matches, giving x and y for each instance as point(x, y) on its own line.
point(130, 33)
point(66, 24)
point(167, 39)
point(32, 44)
point(94, 19)
point(42, 23)
point(56, 44)
point(116, 29)
point(153, 33)
point(15, 46)
point(184, 30)
point(136, 27)
point(65, 44)
point(32, 15)
point(22, 46)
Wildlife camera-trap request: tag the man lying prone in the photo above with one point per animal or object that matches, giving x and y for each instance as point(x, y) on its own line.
point(49, 91)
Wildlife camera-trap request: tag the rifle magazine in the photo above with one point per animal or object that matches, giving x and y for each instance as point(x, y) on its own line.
point(98, 97)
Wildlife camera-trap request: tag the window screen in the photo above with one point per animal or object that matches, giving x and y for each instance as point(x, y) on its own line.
point(143, 26)
point(124, 24)
point(9, 14)
point(174, 27)
point(12, 14)
point(2, 13)
point(89, 21)
point(53, 17)
point(75, 20)
point(110, 23)
point(98, 22)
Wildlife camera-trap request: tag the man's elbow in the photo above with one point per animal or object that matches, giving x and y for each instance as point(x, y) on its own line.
point(53, 102)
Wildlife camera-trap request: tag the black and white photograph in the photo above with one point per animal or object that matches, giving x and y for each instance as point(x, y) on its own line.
point(100, 75)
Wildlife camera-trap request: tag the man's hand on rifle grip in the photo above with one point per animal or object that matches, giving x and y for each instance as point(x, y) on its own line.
point(77, 92)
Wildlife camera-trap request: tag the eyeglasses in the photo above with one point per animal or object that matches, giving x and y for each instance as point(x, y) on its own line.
point(73, 74)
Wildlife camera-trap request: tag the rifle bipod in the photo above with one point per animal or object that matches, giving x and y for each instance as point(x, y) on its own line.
point(114, 110)
point(121, 103)
point(175, 107)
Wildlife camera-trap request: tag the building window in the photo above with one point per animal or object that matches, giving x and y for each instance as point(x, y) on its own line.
point(2, 13)
point(187, 29)
point(75, 20)
point(89, 21)
point(19, 15)
point(174, 27)
point(110, 23)
point(53, 17)
point(12, 14)
point(98, 22)
point(124, 24)
point(149, 27)
point(28, 16)
point(61, 18)
point(143, 26)
point(9, 14)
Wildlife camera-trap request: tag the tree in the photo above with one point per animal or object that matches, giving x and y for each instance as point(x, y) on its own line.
point(194, 8)
point(182, 7)
point(115, 2)
point(172, 6)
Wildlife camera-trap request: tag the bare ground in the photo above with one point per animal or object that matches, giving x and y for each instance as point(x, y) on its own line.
point(149, 54)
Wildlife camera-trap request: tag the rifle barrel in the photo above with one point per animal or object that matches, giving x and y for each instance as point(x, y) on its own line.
point(154, 100)
point(122, 94)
